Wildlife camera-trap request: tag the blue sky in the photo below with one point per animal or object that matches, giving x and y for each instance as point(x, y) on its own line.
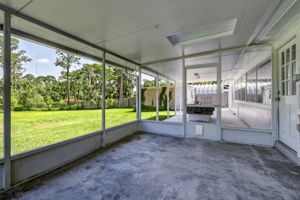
point(43, 59)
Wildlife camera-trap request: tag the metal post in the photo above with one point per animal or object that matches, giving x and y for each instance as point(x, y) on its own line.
point(256, 84)
point(275, 95)
point(183, 95)
point(103, 91)
point(7, 100)
point(138, 96)
point(175, 102)
point(219, 96)
point(168, 99)
point(156, 97)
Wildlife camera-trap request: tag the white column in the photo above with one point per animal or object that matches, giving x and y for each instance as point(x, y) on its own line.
point(183, 95)
point(7, 100)
point(138, 95)
point(175, 99)
point(275, 95)
point(168, 99)
point(219, 97)
point(103, 94)
point(156, 97)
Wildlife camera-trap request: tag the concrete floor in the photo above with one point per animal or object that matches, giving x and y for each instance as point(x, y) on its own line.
point(162, 167)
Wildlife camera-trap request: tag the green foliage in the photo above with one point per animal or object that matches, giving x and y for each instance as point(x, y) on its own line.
point(149, 83)
point(48, 101)
point(162, 98)
point(110, 102)
point(18, 59)
point(33, 129)
point(143, 97)
point(66, 60)
point(75, 87)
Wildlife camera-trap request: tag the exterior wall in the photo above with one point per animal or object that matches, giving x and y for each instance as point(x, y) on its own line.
point(209, 131)
point(178, 99)
point(255, 115)
point(150, 99)
point(161, 127)
point(190, 95)
point(212, 99)
point(31, 164)
point(247, 136)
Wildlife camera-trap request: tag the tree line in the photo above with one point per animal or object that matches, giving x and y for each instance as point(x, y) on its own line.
point(72, 89)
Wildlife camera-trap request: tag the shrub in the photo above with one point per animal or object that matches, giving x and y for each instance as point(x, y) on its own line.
point(110, 102)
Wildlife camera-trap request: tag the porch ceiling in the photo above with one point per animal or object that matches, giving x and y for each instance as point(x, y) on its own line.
point(137, 29)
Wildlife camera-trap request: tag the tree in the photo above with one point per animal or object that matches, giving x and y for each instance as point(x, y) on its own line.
point(149, 83)
point(66, 61)
point(18, 59)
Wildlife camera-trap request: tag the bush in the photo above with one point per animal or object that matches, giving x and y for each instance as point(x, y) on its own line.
point(76, 107)
point(110, 103)
point(18, 108)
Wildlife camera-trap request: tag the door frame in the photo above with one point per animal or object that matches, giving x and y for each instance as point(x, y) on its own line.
point(218, 66)
point(280, 41)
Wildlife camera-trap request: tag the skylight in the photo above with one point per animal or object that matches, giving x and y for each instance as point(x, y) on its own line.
point(204, 32)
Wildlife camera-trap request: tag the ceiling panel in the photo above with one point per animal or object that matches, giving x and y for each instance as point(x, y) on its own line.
point(137, 29)
point(15, 4)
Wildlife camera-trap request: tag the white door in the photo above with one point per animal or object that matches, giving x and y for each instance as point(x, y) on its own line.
point(288, 105)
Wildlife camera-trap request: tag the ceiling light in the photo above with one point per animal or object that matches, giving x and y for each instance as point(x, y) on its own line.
point(204, 32)
point(197, 75)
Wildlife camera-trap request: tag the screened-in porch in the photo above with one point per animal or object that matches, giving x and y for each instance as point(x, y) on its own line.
point(150, 99)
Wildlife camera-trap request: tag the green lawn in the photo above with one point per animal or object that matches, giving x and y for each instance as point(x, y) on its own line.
point(33, 129)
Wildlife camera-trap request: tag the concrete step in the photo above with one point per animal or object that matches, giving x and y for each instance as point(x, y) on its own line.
point(288, 152)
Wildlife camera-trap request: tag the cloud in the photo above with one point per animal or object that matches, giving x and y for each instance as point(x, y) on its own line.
point(43, 60)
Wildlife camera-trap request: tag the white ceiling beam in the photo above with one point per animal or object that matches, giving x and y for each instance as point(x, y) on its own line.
point(205, 53)
point(206, 65)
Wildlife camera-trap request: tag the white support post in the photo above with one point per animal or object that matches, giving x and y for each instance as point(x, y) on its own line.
point(168, 99)
point(137, 79)
point(219, 97)
point(7, 100)
point(275, 95)
point(103, 92)
point(156, 97)
point(183, 95)
point(139, 100)
point(175, 101)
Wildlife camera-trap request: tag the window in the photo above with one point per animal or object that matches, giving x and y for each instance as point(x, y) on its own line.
point(55, 96)
point(243, 88)
point(264, 83)
point(293, 66)
point(288, 71)
point(120, 96)
point(256, 85)
point(251, 85)
point(148, 96)
point(240, 89)
point(162, 100)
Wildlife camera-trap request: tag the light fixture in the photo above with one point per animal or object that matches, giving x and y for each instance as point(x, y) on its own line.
point(197, 75)
point(204, 32)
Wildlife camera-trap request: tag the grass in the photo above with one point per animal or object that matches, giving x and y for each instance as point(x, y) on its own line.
point(34, 129)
